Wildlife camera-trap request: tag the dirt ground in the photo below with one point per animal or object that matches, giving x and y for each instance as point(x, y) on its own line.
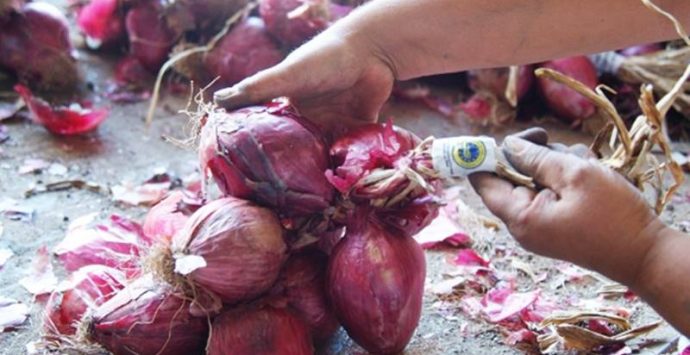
point(122, 149)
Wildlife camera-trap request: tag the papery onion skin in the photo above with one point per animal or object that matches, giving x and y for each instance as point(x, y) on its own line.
point(264, 331)
point(365, 148)
point(270, 155)
point(376, 283)
point(88, 288)
point(304, 285)
point(564, 101)
point(242, 52)
point(412, 217)
point(241, 243)
point(117, 244)
point(148, 317)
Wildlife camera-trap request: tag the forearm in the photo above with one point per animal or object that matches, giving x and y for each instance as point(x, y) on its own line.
point(438, 36)
point(664, 278)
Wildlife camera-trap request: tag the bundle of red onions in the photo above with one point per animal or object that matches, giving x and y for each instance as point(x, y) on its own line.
point(147, 317)
point(35, 45)
point(566, 102)
point(376, 284)
point(86, 289)
point(259, 331)
point(230, 248)
point(268, 154)
point(303, 285)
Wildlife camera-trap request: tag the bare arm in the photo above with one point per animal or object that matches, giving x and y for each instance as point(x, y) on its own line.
point(664, 279)
point(345, 74)
point(430, 37)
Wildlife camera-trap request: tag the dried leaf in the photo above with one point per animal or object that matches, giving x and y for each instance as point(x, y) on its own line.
point(12, 313)
point(65, 185)
point(41, 279)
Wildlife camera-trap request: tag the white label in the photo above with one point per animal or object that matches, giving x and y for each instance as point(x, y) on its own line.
point(186, 264)
point(461, 156)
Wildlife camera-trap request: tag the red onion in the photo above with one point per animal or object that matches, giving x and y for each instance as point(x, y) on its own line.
point(264, 331)
point(36, 46)
point(76, 118)
point(102, 21)
point(150, 36)
point(294, 22)
point(366, 148)
point(147, 317)
point(376, 284)
point(642, 49)
point(209, 14)
point(242, 52)
point(303, 283)
point(117, 244)
point(86, 289)
point(566, 102)
point(166, 218)
point(270, 155)
point(495, 80)
point(231, 248)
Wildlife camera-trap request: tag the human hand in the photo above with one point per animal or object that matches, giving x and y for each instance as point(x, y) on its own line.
point(583, 212)
point(336, 80)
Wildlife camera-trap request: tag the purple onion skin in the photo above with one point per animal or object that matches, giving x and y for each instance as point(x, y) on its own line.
point(148, 318)
point(376, 283)
point(270, 155)
point(242, 245)
point(266, 331)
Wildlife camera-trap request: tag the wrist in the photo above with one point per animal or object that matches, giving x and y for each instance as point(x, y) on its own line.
point(658, 236)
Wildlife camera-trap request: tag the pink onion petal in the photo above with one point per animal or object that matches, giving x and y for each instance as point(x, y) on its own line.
point(442, 231)
point(521, 336)
point(147, 194)
point(74, 119)
point(686, 351)
point(12, 313)
point(468, 257)
point(41, 279)
point(33, 166)
point(511, 305)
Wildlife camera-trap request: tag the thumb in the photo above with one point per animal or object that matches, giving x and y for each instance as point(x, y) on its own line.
point(260, 87)
point(546, 166)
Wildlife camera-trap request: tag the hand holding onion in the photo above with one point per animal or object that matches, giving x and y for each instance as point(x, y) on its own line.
point(585, 213)
point(338, 80)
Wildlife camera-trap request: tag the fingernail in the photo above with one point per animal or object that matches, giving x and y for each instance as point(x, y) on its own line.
point(224, 94)
point(513, 145)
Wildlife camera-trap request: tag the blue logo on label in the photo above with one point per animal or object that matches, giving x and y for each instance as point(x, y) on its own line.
point(469, 155)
